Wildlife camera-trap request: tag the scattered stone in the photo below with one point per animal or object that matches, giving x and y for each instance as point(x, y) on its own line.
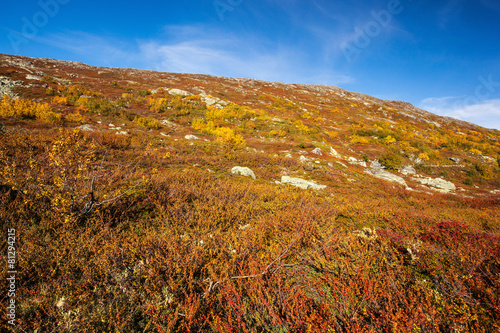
point(317, 151)
point(87, 128)
point(454, 159)
point(488, 159)
point(301, 183)
point(334, 153)
point(168, 123)
point(288, 155)
point(33, 77)
point(121, 133)
point(342, 164)
point(111, 125)
point(377, 165)
point(366, 233)
point(437, 184)
point(408, 170)
point(414, 159)
point(191, 137)
point(244, 171)
point(385, 175)
point(179, 92)
point(303, 159)
point(6, 86)
point(354, 161)
point(244, 227)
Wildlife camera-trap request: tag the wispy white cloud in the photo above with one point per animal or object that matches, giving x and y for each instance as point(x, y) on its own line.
point(201, 50)
point(485, 113)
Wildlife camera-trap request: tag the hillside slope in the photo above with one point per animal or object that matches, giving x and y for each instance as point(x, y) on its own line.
point(148, 201)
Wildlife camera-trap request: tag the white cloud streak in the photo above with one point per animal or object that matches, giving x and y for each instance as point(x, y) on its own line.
point(196, 49)
point(485, 113)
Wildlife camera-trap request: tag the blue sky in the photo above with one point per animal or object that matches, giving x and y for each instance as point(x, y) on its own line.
point(442, 56)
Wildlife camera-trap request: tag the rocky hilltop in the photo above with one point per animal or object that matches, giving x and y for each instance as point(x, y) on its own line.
point(417, 149)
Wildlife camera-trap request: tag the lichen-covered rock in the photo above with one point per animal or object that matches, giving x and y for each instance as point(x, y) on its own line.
point(437, 184)
point(179, 92)
point(301, 183)
point(317, 151)
point(386, 175)
point(334, 153)
point(191, 137)
point(244, 171)
point(408, 170)
point(354, 161)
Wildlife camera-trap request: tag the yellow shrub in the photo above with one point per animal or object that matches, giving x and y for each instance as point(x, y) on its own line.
point(301, 127)
point(230, 112)
point(147, 122)
point(75, 118)
point(207, 128)
point(158, 105)
point(388, 140)
point(359, 139)
point(333, 134)
point(227, 136)
point(127, 96)
point(475, 151)
point(423, 156)
point(407, 147)
point(25, 109)
point(60, 100)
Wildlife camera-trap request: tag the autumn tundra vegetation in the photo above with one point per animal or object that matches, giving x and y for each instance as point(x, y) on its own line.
point(128, 219)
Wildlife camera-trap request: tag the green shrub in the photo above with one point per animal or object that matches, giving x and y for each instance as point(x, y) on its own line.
point(392, 160)
point(147, 122)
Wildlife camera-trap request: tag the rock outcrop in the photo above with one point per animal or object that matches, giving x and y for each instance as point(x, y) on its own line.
point(301, 183)
point(437, 184)
point(386, 175)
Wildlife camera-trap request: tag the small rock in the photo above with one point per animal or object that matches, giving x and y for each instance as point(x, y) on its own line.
point(334, 153)
point(301, 183)
point(377, 165)
point(317, 151)
point(191, 137)
point(408, 170)
point(87, 128)
point(354, 161)
point(244, 227)
point(121, 133)
point(454, 159)
point(244, 171)
point(33, 77)
point(303, 159)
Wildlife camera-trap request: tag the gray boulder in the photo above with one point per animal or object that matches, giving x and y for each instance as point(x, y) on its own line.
point(376, 165)
point(408, 170)
point(301, 183)
point(385, 175)
point(244, 171)
point(317, 151)
point(177, 92)
point(437, 184)
point(334, 153)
